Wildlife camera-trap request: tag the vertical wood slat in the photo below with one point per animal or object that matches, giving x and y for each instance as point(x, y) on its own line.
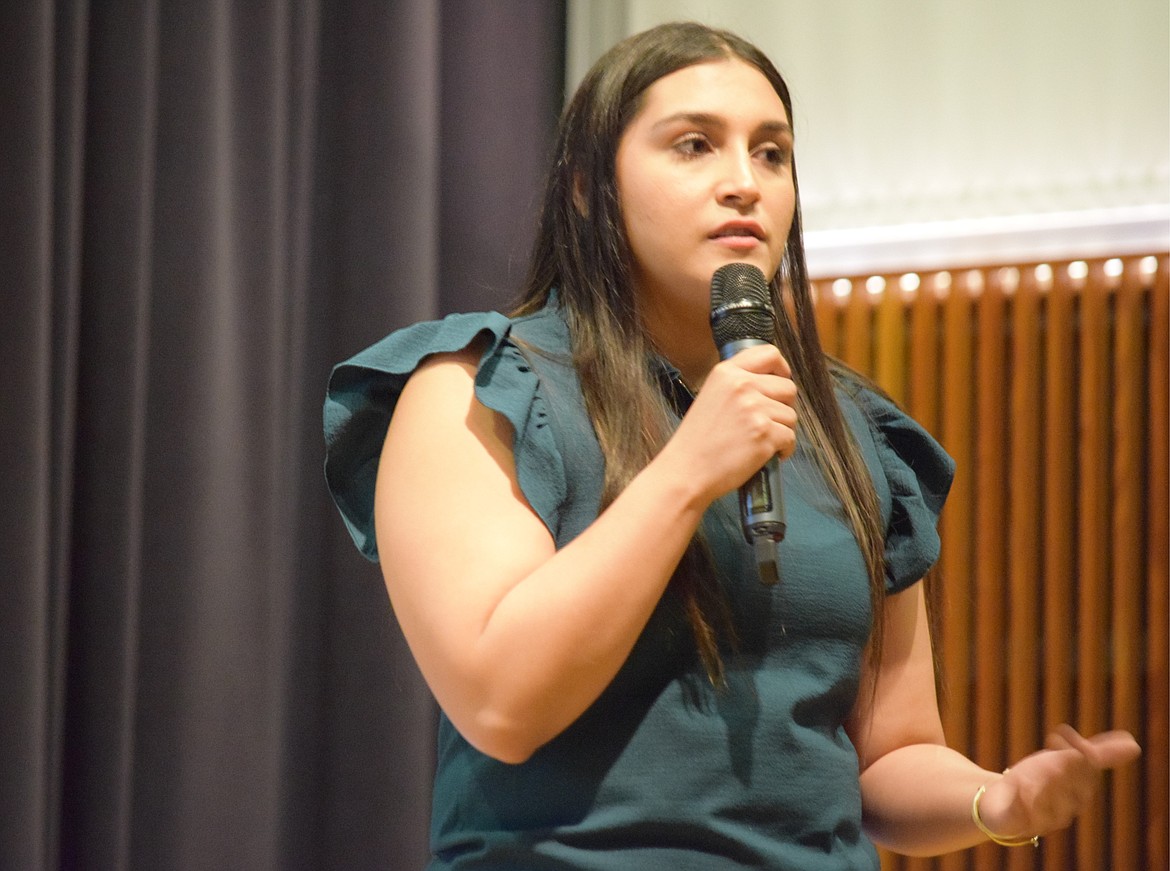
point(888, 371)
point(827, 315)
point(1129, 379)
point(956, 559)
point(1024, 520)
point(922, 402)
point(1059, 530)
point(1094, 461)
point(889, 352)
point(923, 371)
point(990, 567)
point(856, 331)
point(1158, 568)
point(890, 355)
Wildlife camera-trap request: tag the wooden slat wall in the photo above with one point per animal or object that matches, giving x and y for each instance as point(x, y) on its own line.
point(1048, 385)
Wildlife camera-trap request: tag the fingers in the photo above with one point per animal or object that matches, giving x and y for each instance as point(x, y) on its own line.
point(1072, 764)
point(1045, 791)
point(1116, 748)
point(763, 359)
point(1062, 780)
point(1102, 751)
point(768, 372)
point(1055, 740)
point(744, 413)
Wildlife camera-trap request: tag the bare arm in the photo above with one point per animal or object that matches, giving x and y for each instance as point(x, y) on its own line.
point(917, 793)
point(515, 638)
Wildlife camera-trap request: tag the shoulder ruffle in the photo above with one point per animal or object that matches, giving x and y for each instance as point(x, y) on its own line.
point(363, 392)
point(919, 474)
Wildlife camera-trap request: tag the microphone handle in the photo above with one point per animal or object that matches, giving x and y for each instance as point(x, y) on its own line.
point(761, 502)
point(761, 505)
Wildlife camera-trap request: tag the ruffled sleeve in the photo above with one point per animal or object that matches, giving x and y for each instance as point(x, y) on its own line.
point(918, 473)
point(363, 392)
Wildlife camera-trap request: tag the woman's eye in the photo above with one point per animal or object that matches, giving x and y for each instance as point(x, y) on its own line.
point(774, 155)
point(692, 145)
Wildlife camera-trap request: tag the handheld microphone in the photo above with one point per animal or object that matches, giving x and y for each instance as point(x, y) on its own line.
point(741, 317)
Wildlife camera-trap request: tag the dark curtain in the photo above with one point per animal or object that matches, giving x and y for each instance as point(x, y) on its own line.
point(204, 204)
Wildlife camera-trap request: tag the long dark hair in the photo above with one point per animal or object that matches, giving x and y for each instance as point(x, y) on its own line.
point(581, 250)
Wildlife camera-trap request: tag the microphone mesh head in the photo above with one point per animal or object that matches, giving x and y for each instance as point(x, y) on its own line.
point(741, 305)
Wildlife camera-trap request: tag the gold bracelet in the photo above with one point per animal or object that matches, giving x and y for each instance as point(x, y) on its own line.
point(1003, 842)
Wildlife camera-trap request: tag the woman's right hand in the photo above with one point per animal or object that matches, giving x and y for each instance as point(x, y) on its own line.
point(743, 414)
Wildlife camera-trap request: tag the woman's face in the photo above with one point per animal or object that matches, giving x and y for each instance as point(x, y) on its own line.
point(704, 177)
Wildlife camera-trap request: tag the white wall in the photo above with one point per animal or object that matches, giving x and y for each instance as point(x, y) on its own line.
point(942, 130)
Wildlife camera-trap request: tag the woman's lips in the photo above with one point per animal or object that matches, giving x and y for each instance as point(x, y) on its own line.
point(739, 235)
point(738, 242)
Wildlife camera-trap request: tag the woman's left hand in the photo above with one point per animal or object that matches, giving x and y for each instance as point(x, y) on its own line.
point(1045, 791)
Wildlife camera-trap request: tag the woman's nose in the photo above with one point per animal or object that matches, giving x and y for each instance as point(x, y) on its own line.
point(738, 185)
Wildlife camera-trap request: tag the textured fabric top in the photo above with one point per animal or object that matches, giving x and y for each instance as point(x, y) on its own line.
point(664, 771)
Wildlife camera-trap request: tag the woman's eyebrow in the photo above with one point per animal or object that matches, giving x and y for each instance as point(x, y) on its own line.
point(777, 128)
point(707, 119)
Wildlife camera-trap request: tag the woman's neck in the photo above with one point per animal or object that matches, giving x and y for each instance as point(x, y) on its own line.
point(692, 352)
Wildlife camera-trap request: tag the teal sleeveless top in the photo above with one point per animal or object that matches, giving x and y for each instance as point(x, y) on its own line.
point(664, 771)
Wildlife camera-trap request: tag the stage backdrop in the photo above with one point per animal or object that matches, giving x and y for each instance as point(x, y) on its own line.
point(205, 205)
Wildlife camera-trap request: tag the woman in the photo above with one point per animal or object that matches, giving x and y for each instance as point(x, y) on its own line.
point(552, 497)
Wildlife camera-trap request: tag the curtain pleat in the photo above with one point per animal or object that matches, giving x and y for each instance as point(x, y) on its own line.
point(40, 56)
point(206, 206)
